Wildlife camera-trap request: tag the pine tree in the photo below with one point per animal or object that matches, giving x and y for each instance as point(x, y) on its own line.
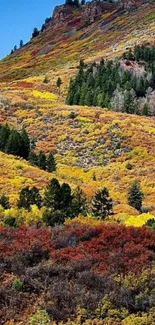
point(42, 160)
point(21, 43)
point(50, 163)
point(28, 197)
point(58, 203)
point(79, 202)
point(4, 202)
point(135, 195)
point(145, 110)
point(102, 204)
point(52, 198)
point(33, 158)
point(14, 144)
point(35, 32)
point(66, 199)
point(25, 144)
point(4, 135)
point(59, 82)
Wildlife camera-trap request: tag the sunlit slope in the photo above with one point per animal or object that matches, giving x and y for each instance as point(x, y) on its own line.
point(93, 147)
point(63, 46)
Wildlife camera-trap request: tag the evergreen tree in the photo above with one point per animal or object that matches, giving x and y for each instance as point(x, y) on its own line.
point(79, 202)
point(135, 195)
point(42, 160)
point(59, 82)
point(21, 43)
point(25, 144)
point(58, 202)
point(50, 163)
point(14, 144)
point(66, 200)
point(145, 110)
point(28, 197)
point(4, 135)
point(102, 204)
point(35, 32)
point(4, 202)
point(33, 158)
point(53, 195)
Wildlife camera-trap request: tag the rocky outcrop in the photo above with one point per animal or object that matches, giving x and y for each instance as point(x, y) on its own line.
point(92, 10)
point(131, 4)
point(66, 14)
point(89, 12)
point(62, 14)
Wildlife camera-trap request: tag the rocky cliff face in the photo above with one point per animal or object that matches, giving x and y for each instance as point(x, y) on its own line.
point(90, 11)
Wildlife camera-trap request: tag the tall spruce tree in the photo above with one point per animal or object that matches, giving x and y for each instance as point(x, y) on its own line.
point(102, 205)
point(42, 160)
point(25, 144)
point(52, 198)
point(79, 202)
point(50, 163)
point(135, 195)
point(14, 144)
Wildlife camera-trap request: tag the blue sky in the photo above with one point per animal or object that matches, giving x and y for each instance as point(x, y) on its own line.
point(18, 19)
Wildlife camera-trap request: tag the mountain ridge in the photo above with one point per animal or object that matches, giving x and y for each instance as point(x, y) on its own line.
point(59, 45)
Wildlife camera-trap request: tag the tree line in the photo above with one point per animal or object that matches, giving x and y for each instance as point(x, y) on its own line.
point(19, 144)
point(61, 203)
point(109, 85)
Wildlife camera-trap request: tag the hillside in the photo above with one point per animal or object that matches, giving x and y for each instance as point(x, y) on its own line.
point(86, 141)
point(75, 246)
point(75, 34)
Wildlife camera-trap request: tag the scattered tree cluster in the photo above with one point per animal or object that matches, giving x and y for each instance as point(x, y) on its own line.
point(21, 44)
point(74, 2)
point(18, 144)
point(14, 142)
point(60, 202)
point(112, 86)
point(44, 162)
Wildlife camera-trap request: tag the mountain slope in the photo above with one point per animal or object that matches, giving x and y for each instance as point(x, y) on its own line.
point(64, 42)
point(88, 143)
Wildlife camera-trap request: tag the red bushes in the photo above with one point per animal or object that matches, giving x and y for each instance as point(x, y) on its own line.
point(106, 248)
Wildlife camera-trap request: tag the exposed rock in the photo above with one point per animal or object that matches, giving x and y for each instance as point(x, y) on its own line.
point(72, 15)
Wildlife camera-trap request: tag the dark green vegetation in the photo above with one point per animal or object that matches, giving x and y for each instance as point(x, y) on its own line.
point(14, 142)
point(18, 144)
point(135, 196)
point(60, 203)
point(124, 85)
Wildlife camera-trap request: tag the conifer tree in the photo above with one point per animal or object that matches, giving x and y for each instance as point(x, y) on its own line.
point(79, 202)
point(25, 144)
point(42, 160)
point(4, 202)
point(52, 198)
point(14, 144)
point(135, 195)
point(4, 135)
point(35, 32)
point(102, 204)
point(50, 163)
point(59, 82)
point(28, 197)
point(21, 43)
point(33, 158)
